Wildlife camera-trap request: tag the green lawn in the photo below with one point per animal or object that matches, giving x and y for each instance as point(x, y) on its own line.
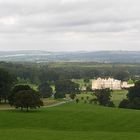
point(71, 122)
point(118, 96)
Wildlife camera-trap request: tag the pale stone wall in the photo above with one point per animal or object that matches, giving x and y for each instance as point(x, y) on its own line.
point(110, 83)
point(126, 85)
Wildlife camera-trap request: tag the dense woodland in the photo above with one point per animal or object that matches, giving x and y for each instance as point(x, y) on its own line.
point(57, 80)
point(34, 73)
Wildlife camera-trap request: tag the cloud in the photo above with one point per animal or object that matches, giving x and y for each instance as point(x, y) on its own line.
point(69, 21)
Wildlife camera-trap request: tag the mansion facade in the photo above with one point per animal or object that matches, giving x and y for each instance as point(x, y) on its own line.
point(110, 83)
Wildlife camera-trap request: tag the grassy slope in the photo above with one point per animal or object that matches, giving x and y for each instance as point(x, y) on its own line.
point(71, 122)
point(117, 96)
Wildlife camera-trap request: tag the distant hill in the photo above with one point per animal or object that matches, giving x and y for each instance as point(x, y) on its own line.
point(98, 56)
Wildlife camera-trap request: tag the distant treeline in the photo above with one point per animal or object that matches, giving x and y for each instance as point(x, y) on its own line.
point(36, 72)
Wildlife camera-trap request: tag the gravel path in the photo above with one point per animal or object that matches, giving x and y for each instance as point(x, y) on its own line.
point(53, 105)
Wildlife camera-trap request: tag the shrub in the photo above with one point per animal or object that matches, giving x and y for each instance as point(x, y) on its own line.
point(124, 103)
point(111, 104)
point(85, 102)
point(77, 101)
point(72, 96)
point(59, 95)
point(87, 97)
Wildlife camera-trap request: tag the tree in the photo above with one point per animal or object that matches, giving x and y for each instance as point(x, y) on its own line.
point(64, 87)
point(133, 101)
point(15, 90)
point(103, 97)
point(58, 95)
point(124, 103)
point(45, 90)
point(134, 92)
point(25, 97)
point(6, 82)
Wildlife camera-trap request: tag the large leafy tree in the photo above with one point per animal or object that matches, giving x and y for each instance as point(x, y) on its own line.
point(64, 87)
point(6, 82)
point(45, 90)
point(134, 92)
point(103, 97)
point(67, 86)
point(133, 98)
point(25, 97)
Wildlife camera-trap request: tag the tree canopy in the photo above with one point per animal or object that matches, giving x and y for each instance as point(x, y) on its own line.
point(45, 90)
point(23, 96)
point(64, 87)
point(103, 97)
point(133, 98)
point(6, 82)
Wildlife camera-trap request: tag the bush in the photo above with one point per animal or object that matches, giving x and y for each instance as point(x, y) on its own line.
point(124, 104)
point(93, 101)
point(72, 96)
point(85, 102)
point(135, 104)
point(58, 95)
point(77, 101)
point(87, 97)
point(111, 104)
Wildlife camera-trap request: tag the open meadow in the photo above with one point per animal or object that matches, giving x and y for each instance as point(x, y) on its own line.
point(70, 121)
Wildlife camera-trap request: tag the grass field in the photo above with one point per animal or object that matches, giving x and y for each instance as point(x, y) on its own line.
point(71, 122)
point(117, 96)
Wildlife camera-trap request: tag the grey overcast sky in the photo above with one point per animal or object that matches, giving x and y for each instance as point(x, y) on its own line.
point(69, 25)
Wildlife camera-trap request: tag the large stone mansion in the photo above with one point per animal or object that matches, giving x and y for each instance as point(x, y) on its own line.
point(110, 83)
